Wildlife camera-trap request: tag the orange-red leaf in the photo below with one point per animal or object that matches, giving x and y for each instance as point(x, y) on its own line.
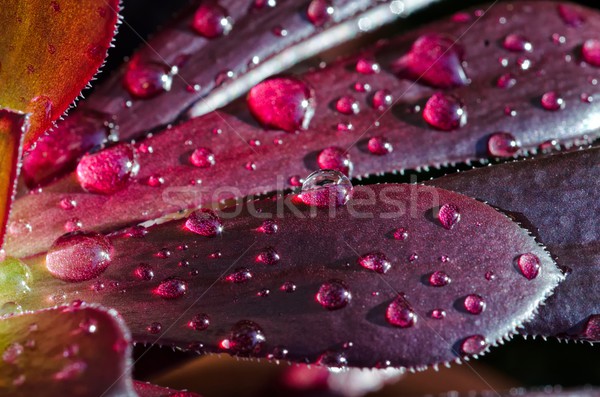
point(49, 51)
point(12, 128)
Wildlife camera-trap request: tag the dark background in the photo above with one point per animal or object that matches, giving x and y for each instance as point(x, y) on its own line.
point(525, 362)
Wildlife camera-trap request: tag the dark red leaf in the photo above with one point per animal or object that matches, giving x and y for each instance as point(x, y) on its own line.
point(315, 299)
point(557, 199)
point(77, 350)
point(373, 140)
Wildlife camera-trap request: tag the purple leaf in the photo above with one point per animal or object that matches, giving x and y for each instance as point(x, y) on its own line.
point(556, 198)
point(182, 60)
point(77, 350)
point(372, 141)
point(306, 293)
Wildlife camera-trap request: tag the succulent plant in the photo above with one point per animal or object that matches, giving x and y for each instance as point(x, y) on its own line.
point(235, 188)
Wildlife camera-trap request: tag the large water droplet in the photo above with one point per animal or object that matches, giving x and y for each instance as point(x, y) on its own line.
point(474, 304)
point(347, 105)
point(284, 103)
point(245, 338)
point(375, 261)
point(529, 264)
point(382, 99)
point(144, 272)
point(400, 314)
point(333, 295)
point(15, 277)
point(591, 52)
point(379, 146)
point(319, 12)
point(171, 288)
point(439, 279)
point(335, 158)
point(204, 222)
point(552, 101)
point(517, 43)
point(366, 66)
point(145, 81)
point(202, 158)
point(326, 187)
point(473, 344)
point(109, 170)
point(268, 256)
point(449, 215)
point(211, 20)
point(445, 112)
point(503, 144)
point(435, 60)
point(79, 256)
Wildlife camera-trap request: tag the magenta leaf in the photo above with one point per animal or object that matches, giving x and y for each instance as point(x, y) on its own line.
point(224, 155)
point(556, 198)
point(77, 350)
point(333, 288)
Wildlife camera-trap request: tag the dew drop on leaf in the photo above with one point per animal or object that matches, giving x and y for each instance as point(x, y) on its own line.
point(79, 256)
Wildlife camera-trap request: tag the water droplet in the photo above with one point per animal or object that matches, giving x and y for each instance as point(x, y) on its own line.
point(144, 272)
point(473, 344)
point(79, 256)
point(10, 309)
point(382, 99)
point(375, 261)
point(296, 180)
point(145, 81)
point(439, 279)
point(319, 12)
point(154, 328)
point(171, 288)
point(245, 338)
point(509, 111)
point(204, 222)
point(444, 258)
point(489, 275)
point(529, 264)
point(344, 127)
point(335, 158)
point(400, 234)
point(400, 314)
point(449, 215)
point(284, 103)
point(438, 314)
point(268, 226)
point(263, 293)
point(12, 353)
point(592, 328)
point(347, 105)
point(552, 101)
point(164, 253)
point(503, 144)
point(461, 17)
point(202, 158)
point(517, 43)
point(15, 277)
point(362, 87)
point(279, 31)
point(211, 20)
point(268, 256)
point(367, 66)
point(570, 15)
point(445, 112)
point(239, 275)
point(474, 304)
point(333, 295)
point(68, 203)
point(591, 52)
point(200, 322)
point(73, 225)
point(379, 146)
point(586, 98)
point(250, 166)
point(507, 80)
point(288, 287)
point(333, 360)
point(155, 180)
point(109, 170)
point(326, 187)
point(435, 60)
